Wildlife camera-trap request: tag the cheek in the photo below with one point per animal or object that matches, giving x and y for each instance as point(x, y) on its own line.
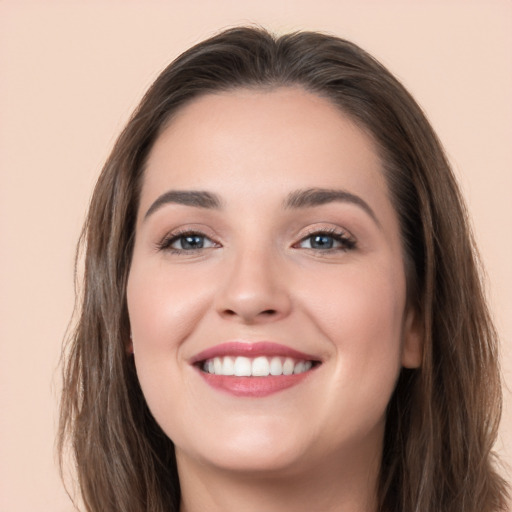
point(164, 307)
point(362, 316)
point(359, 307)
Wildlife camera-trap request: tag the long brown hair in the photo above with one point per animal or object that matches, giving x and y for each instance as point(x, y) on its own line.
point(442, 419)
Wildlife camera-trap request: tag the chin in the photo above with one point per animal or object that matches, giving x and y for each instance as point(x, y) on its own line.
point(258, 448)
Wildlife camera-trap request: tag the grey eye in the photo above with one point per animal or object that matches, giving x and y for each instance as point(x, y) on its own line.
point(327, 241)
point(321, 242)
point(190, 242)
point(187, 242)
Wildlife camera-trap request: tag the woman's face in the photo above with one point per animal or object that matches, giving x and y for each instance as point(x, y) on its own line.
point(267, 294)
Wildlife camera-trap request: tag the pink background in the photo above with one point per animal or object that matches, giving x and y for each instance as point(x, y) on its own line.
point(70, 74)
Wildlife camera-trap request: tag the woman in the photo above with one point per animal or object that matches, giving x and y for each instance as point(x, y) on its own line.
point(281, 305)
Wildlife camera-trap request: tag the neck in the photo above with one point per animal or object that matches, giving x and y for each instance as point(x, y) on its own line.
point(328, 486)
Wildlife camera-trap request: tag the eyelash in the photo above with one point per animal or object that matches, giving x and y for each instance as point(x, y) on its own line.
point(171, 238)
point(346, 242)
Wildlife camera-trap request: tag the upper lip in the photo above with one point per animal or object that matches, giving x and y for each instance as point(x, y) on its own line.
point(251, 349)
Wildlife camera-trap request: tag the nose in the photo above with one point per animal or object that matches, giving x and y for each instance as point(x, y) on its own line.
point(255, 290)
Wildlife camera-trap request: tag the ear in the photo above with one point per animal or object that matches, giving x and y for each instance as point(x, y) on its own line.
point(412, 344)
point(129, 346)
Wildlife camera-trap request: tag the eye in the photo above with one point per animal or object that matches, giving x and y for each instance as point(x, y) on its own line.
point(327, 240)
point(186, 242)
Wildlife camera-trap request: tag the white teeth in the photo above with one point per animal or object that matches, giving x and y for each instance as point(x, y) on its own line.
point(299, 367)
point(288, 366)
point(228, 366)
point(257, 367)
point(276, 366)
point(243, 367)
point(260, 367)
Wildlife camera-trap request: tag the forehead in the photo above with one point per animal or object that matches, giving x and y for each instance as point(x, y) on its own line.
point(263, 142)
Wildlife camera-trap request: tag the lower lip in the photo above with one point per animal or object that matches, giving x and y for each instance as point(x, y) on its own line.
point(253, 386)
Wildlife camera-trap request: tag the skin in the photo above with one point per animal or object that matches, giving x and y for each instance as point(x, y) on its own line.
point(316, 445)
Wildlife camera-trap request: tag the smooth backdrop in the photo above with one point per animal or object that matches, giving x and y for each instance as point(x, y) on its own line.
point(70, 74)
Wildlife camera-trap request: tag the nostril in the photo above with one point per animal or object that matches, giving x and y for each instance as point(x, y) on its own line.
point(267, 312)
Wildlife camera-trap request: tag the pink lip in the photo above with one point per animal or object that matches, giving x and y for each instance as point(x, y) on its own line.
point(261, 348)
point(252, 386)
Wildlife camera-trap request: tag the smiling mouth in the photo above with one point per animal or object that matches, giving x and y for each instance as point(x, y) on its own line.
point(261, 366)
point(247, 369)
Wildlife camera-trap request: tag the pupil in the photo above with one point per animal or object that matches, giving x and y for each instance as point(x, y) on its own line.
point(192, 242)
point(322, 242)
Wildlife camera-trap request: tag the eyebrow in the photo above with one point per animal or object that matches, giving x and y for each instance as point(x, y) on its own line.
point(305, 198)
point(319, 196)
point(196, 198)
